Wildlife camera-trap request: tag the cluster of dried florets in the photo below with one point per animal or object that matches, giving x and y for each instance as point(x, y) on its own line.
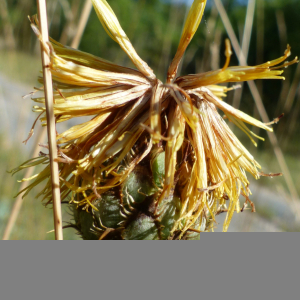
point(135, 117)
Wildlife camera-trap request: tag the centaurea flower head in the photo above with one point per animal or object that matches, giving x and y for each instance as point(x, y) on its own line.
point(135, 118)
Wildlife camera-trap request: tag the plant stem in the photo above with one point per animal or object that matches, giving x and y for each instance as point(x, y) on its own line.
point(42, 12)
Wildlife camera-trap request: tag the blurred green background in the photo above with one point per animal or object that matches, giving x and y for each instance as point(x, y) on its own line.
point(154, 28)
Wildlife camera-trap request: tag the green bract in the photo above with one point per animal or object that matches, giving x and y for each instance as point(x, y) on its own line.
point(130, 213)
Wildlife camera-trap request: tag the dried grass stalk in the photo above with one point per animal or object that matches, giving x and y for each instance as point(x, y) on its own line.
point(48, 89)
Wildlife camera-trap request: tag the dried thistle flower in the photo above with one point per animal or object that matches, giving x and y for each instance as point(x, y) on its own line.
point(156, 160)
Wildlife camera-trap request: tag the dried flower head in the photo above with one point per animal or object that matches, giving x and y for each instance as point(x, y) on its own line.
point(135, 117)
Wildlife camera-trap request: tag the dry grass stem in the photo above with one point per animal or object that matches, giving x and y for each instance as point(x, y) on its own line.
point(41, 134)
point(82, 23)
point(50, 121)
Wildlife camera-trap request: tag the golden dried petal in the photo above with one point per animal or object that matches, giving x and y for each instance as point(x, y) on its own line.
point(155, 109)
point(228, 109)
point(89, 60)
point(236, 74)
point(68, 72)
point(190, 27)
point(112, 26)
point(80, 130)
point(100, 104)
point(176, 134)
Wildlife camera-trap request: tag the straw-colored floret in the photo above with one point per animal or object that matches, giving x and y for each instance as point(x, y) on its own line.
point(133, 113)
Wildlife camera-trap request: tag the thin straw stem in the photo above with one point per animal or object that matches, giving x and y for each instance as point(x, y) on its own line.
point(40, 137)
point(248, 27)
point(245, 47)
point(42, 12)
point(82, 23)
point(260, 106)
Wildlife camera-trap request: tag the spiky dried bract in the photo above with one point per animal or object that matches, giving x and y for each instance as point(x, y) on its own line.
point(135, 118)
point(112, 26)
point(190, 27)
